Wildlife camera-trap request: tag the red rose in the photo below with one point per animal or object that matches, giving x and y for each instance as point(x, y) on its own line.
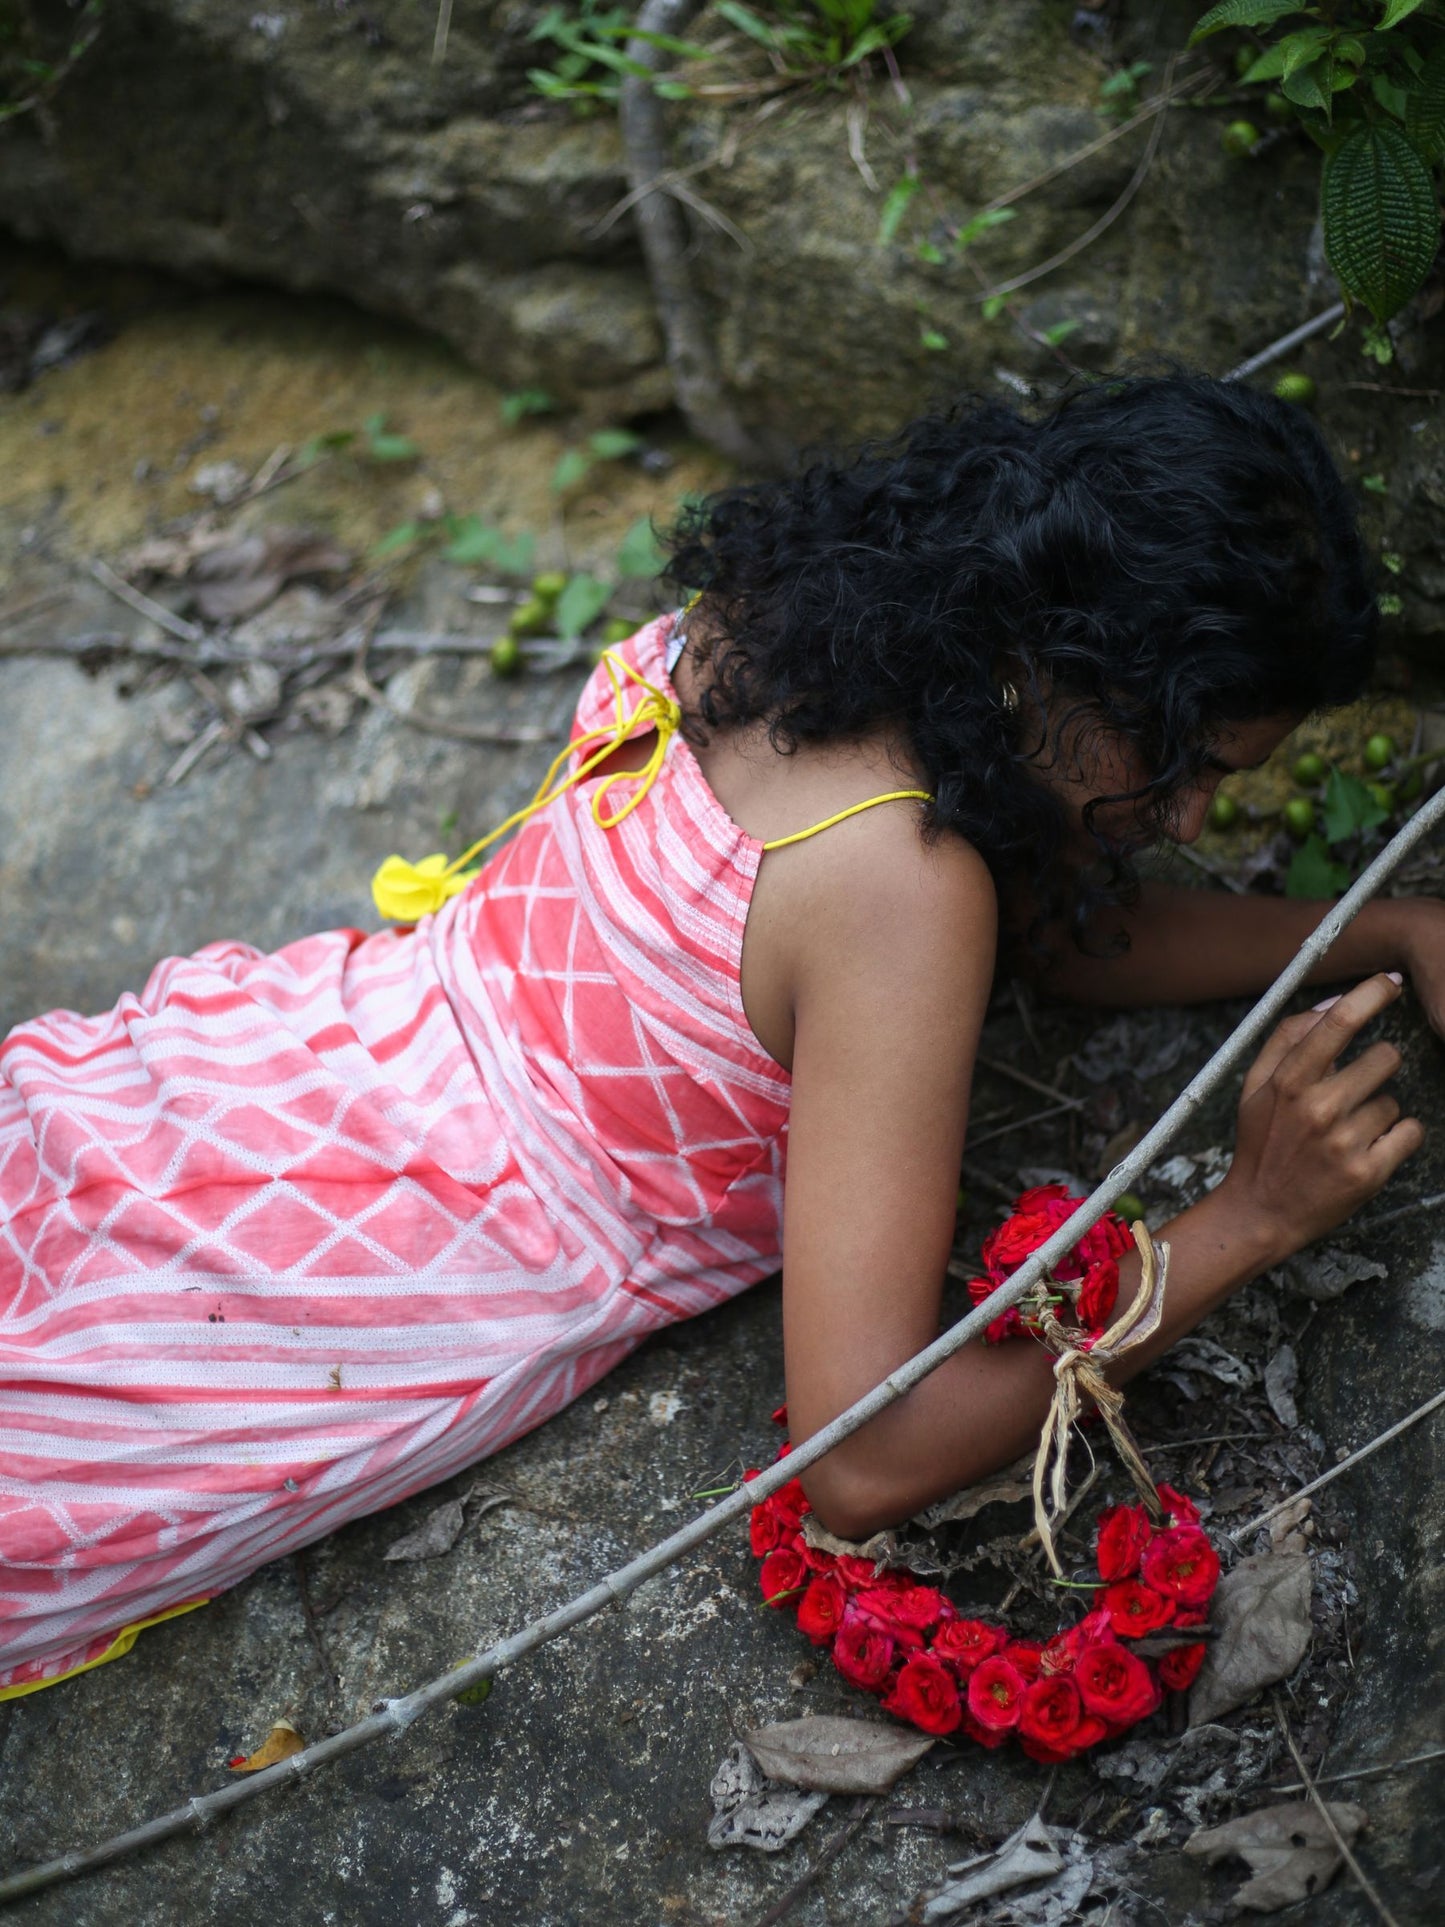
point(1178, 1670)
point(925, 1694)
point(1097, 1293)
point(1182, 1563)
point(816, 1559)
point(854, 1571)
point(780, 1417)
point(1115, 1684)
point(1039, 1196)
point(983, 1734)
point(1124, 1531)
point(765, 1529)
point(964, 1643)
point(995, 1689)
point(791, 1501)
point(1050, 1714)
point(1062, 1651)
point(1134, 1609)
point(877, 1604)
point(782, 1576)
point(1181, 1507)
point(1018, 1237)
point(1190, 1616)
point(921, 1606)
point(862, 1654)
point(1107, 1239)
point(1007, 1325)
point(1026, 1654)
point(820, 1610)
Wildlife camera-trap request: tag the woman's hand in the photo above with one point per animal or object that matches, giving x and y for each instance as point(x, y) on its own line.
point(1316, 1139)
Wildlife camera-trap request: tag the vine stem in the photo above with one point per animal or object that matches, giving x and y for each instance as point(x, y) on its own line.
point(393, 1716)
point(662, 230)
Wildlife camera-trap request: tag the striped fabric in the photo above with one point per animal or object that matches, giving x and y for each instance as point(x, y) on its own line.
point(286, 1238)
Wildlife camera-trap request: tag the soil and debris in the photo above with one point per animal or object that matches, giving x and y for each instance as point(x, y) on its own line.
point(250, 782)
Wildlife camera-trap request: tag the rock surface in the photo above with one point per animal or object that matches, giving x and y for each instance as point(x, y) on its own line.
point(319, 148)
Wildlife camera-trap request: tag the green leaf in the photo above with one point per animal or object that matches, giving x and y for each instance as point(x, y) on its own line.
point(1243, 13)
point(932, 254)
point(404, 536)
point(1348, 806)
point(981, 224)
point(1393, 99)
point(1392, 560)
point(638, 553)
point(746, 21)
point(933, 340)
point(1395, 12)
point(1299, 49)
point(1313, 872)
point(1269, 66)
point(1381, 219)
point(525, 401)
point(382, 447)
point(1304, 87)
point(1425, 108)
point(1060, 332)
point(611, 444)
point(1388, 603)
point(1376, 484)
point(581, 602)
point(895, 207)
point(572, 466)
point(993, 307)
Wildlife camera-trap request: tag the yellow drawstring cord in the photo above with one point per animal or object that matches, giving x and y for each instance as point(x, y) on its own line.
point(889, 796)
point(406, 891)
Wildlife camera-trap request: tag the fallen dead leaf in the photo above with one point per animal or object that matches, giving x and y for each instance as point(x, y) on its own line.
point(827, 1754)
point(1005, 1488)
point(279, 1744)
point(1029, 1854)
point(748, 1811)
point(241, 576)
point(1328, 1273)
point(1281, 1375)
point(1261, 1620)
point(882, 1548)
point(1288, 1850)
point(1284, 1527)
point(437, 1533)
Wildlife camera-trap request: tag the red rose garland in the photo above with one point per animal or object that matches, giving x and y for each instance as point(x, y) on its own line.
point(894, 1636)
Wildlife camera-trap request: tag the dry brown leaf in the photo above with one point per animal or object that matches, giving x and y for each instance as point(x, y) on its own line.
point(1028, 1855)
point(882, 1548)
point(437, 1533)
point(1004, 1488)
point(279, 1744)
point(1288, 1850)
point(826, 1754)
point(1261, 1620)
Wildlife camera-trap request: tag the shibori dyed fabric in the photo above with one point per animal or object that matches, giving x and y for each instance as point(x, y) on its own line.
point(286, 1238)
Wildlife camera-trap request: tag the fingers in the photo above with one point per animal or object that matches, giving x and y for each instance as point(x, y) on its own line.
point(1389, 1152)
point(1333, 1030)
point(1277, 1046)
point(1352, 1084)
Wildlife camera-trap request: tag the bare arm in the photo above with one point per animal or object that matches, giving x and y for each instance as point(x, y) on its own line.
point(891, 967)
point(1186, 946)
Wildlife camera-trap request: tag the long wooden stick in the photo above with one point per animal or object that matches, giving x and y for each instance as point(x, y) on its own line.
point(393, 1716)
point(1393, 1432)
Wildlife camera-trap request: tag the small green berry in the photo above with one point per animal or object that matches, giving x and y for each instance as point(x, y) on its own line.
point(1299, 817)
point(1129, 1206)
point(506, 656)
point(1223, 812)
point(1380, 751)
point(528, 618)
point(616, 629)
point(548, 586)
point(1278, 108)
point(1384, 795)
point(1295, 388)
point(1310, 770)
point(1240, 138)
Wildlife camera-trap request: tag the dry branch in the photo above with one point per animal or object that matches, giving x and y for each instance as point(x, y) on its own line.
point(1325, 1478)
point(393, 1716)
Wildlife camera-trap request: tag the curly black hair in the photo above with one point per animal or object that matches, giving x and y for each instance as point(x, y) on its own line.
point(1171, 554)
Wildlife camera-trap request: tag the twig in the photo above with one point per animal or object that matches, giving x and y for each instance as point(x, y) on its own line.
point(21, 611)
point(1104, 222)
point(1277, 349)
point(1360, 1772)
point(363, 642)
point(1387, 388)
point(144, 605)
point(394, 1716)
point(785, 1904)
point(1432, 1203)
point(663, 233)
point(193, 752)
point(1361, 1878)
point(236, 727)
point(443, 33)
point(1209, 1438)
point(1402, 1425)
point(1022, 1123)
point(986, 1181)
point(1001, 1069)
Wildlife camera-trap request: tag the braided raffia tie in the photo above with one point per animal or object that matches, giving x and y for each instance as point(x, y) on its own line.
point(1079, 1381)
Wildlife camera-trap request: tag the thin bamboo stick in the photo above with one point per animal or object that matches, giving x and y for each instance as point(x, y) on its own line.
point(394, 1716)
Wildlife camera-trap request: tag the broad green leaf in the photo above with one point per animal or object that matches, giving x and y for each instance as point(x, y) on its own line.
point(1381, 219)
point(1314, 873)
point(1425, 108)
point(1243, 13)
point(1393, 99)
point(572, 466)
point(525, 401)
point(746, 21)
point(933, 340)
point(1269, 66)
point(1304, 89)
point(930, 252)
point(1347, 806)
point(1388, 603)
point(993, 307)
point(611, 444)
point(981, 224)
point(1299, 49)
point(672, 90)
point(638, 553)
point(1395, 12)
point(1060, 332)
point(581, 602)
point(895, 207)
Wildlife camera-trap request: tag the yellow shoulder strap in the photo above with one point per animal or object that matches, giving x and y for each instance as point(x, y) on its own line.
point(889, 796)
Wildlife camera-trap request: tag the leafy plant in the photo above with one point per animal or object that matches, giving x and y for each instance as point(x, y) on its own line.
point(813, 35)
point(1119, 94)
point(1344, 815)
point(525, 401)
point(591, 63)
point(373, 440)
point(1366, 81)
point(604, 445)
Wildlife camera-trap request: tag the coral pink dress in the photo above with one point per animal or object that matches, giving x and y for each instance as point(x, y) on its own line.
point(286, 1238)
